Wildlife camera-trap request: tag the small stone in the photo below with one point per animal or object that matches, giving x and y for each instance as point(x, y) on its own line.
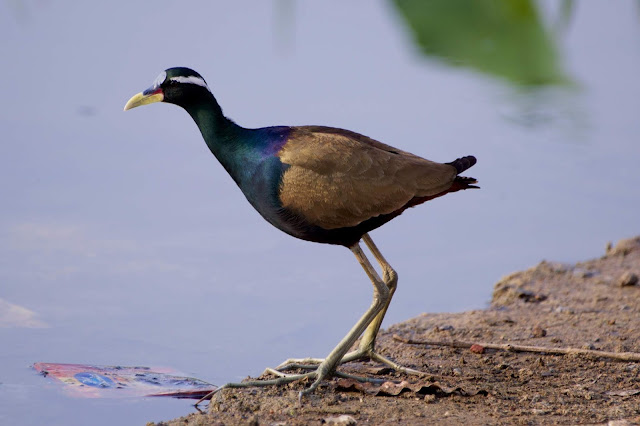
point(477, 349)
point(340, 420)
point(539, 412)
point(563, 310)
point(531, 297)
point(538, 331)
point(621, 422)
point(457, 372)
point(627, 279)
point(429, 398)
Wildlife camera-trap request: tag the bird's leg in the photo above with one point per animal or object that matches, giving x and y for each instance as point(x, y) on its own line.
point(390, 278)
point(366, 349)
point(327, 366)
point(380, 300)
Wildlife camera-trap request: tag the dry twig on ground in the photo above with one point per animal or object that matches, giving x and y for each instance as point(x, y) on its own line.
point(620, 356)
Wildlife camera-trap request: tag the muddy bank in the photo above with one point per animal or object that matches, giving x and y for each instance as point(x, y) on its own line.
point(590, 308)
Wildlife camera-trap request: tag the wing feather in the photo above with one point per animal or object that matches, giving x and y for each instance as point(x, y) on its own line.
point(339, 178)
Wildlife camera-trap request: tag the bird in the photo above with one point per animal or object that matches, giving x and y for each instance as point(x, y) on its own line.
point(320, 184)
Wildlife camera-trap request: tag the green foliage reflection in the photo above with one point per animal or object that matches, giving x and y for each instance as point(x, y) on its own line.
point(504, 38)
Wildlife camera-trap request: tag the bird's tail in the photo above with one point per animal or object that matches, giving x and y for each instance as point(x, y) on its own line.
point(462, 182)
point(463, 163)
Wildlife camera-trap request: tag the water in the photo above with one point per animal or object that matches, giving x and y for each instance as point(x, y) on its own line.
point(128, 243)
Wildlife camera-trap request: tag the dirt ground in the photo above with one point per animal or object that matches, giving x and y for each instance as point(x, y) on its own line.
point(590, 306)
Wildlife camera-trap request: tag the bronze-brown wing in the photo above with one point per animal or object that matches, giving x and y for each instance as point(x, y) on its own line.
point(339, 178)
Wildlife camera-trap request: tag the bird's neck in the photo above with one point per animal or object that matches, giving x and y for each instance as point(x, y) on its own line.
point(216, 129)
point(225, 139)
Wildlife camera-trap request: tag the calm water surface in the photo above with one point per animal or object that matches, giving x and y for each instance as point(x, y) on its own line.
point(126, 243)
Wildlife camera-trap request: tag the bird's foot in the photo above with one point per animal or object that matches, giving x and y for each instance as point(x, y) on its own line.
point(319, 374)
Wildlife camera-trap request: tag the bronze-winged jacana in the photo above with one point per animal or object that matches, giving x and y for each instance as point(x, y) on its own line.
point(319, 184)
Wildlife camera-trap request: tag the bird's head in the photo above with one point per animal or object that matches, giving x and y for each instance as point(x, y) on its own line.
point(180, 86)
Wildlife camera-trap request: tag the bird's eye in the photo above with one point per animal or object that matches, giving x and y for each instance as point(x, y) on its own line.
point(160, 79)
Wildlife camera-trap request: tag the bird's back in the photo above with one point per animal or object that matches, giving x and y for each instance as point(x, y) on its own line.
point(333, 185)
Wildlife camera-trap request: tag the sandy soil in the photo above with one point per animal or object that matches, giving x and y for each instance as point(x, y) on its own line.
point(590, 306)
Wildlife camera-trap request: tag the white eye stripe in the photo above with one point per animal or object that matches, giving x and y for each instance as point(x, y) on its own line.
point(191, 79)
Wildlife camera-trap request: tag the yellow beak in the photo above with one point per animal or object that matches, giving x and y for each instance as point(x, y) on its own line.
point(142, 99)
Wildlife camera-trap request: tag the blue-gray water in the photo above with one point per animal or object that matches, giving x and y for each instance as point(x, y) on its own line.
point(130, 245)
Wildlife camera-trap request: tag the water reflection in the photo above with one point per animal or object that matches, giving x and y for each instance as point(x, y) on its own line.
point(503, 38)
